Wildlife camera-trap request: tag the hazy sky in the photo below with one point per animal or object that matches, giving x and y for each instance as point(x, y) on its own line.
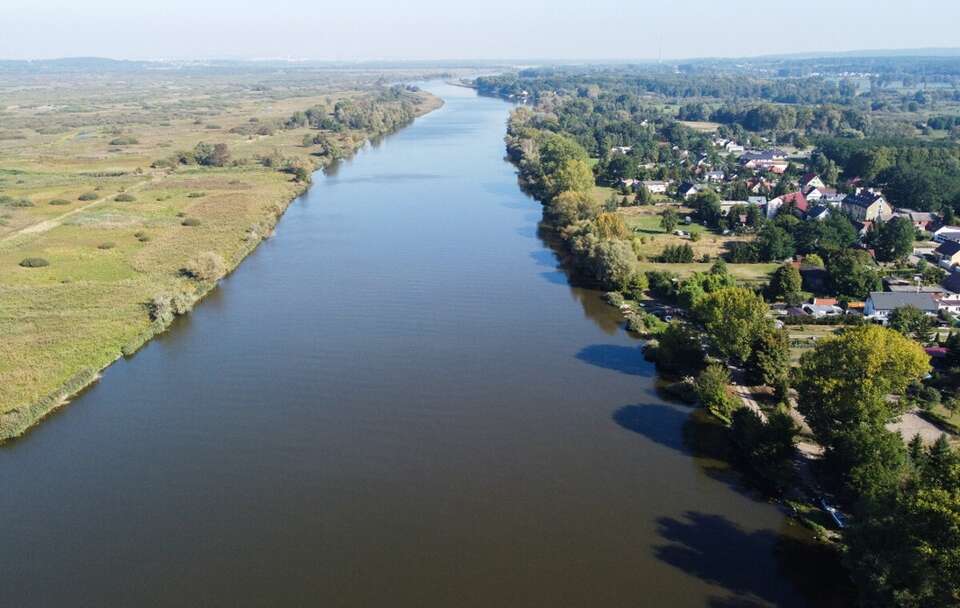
point(484, 29)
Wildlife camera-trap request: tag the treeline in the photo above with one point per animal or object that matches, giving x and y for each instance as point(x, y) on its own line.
point(819, 119)
point(913, 173)
point(692, 82)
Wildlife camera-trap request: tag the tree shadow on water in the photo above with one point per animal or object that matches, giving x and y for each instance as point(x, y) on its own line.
point(718, 551)
point(624, 359)
point(660, 423)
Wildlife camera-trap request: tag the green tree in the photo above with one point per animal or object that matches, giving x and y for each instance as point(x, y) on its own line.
point(786, 281)
point(844, 382)
point(766, 448)
point(668, 220)
point(852, 274)
point(895, 241)
point(732, 318)
point(678, 348)
point(713, 390)
point(912, 322)
point(769, 360)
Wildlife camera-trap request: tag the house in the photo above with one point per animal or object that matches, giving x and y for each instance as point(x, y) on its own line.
point(881, 303)
point(867, 205)
point(810, 181)
point(831, 199)
point(733, 148)
point(921, 220)
point(795, 200)
point(947, 233)
point(818, 213)
point(822, 307)
point(817, 194)
point(948, 254)
point(759, 201)
point(621, 150)
point(764, 160)
point(687, 190)
point(714, 176)
point(655, 186)
point(863, 228)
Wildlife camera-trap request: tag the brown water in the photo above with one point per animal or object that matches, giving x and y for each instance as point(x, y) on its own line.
point(397, 401)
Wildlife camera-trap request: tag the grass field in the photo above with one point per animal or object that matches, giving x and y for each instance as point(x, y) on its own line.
point(116, 233)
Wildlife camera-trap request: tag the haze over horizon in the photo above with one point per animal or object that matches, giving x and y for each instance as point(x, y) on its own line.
point(430, 30)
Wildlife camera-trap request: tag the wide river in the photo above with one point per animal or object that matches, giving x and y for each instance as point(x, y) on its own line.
point(398, 400)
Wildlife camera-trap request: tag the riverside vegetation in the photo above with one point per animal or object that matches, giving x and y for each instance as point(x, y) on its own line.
point(900, 546)
point(127, 200)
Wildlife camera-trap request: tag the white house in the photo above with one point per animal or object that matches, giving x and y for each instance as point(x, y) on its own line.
point(881, 303)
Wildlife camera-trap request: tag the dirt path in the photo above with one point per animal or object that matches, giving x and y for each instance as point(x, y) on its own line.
point(50, 224)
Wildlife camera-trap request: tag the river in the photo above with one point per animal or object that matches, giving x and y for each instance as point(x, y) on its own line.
point(398, 400)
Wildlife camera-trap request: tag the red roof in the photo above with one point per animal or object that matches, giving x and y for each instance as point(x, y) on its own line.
point(797, 199)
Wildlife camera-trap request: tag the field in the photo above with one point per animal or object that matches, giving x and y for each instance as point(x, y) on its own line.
point(117, 235)
point(644, 222)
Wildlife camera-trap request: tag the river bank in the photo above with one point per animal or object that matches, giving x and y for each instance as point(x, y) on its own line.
point(119, 271)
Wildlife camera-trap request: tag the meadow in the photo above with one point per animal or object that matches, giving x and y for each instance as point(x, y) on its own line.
point(101, 245)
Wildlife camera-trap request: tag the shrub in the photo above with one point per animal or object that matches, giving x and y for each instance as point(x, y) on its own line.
point(208, 266)
point(190, 221)
point(124, 141)
point(141, 236)
point(125, 197)
point(196, 195)
point(9, 201)
point(34, 262)
point(713, 389)
point(88, 196)
point(59, 201)
point(677, 254)
point(106, 245)
point(678, 349)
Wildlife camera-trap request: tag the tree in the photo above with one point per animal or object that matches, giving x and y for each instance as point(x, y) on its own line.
point(713, 390)
point(786, 282)
point(678, 348)
point(912, 322)
point(774, 243)
point(851, 274)
point(668, 220)
point(571, 207)
point(733, 317)
point(769, 360)
point(210, 155)
point(611, 226)
point(895, 241)
point(843, 384)
point(573, 175)
point(677, 254)
point(765, 448)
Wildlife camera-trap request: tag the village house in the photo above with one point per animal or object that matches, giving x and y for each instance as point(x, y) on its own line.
point(760, 201)
point(818, 213)
point(867, 205)
point(733, 148)
point(947, 233)
point(881, 303)
point(765, 160)
point(714, 176)
point(921, 220)
point(948, 254)
point(810, 181)
point(655, 186)
point(687, 190)
point(795, 200)
point(621, 150)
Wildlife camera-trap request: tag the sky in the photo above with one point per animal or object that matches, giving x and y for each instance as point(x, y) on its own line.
point(485, 29)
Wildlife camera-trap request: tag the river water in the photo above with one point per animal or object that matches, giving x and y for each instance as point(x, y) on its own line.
point(399, 400)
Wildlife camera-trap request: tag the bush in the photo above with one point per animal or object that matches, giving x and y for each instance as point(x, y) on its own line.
point(141, 236)
point(196, 194)
point(713, 389)
point(124, 141)
point(88, 196)
point(34, 262)
point(190, 221)
point(677, 254)
point(124, 197)
point(678, 349)
point(59, 201)
point(9, 201)
point(207, 266)
point(106, 245)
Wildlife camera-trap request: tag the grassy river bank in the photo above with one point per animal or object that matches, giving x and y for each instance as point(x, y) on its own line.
point(110, 226)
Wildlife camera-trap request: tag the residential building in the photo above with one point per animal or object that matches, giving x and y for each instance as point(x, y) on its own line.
point(867, 205)
point(921, 220)
point(655, 186)
point(947, 233)
point(809, 181)
point(881, 303)
point(948, 254)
